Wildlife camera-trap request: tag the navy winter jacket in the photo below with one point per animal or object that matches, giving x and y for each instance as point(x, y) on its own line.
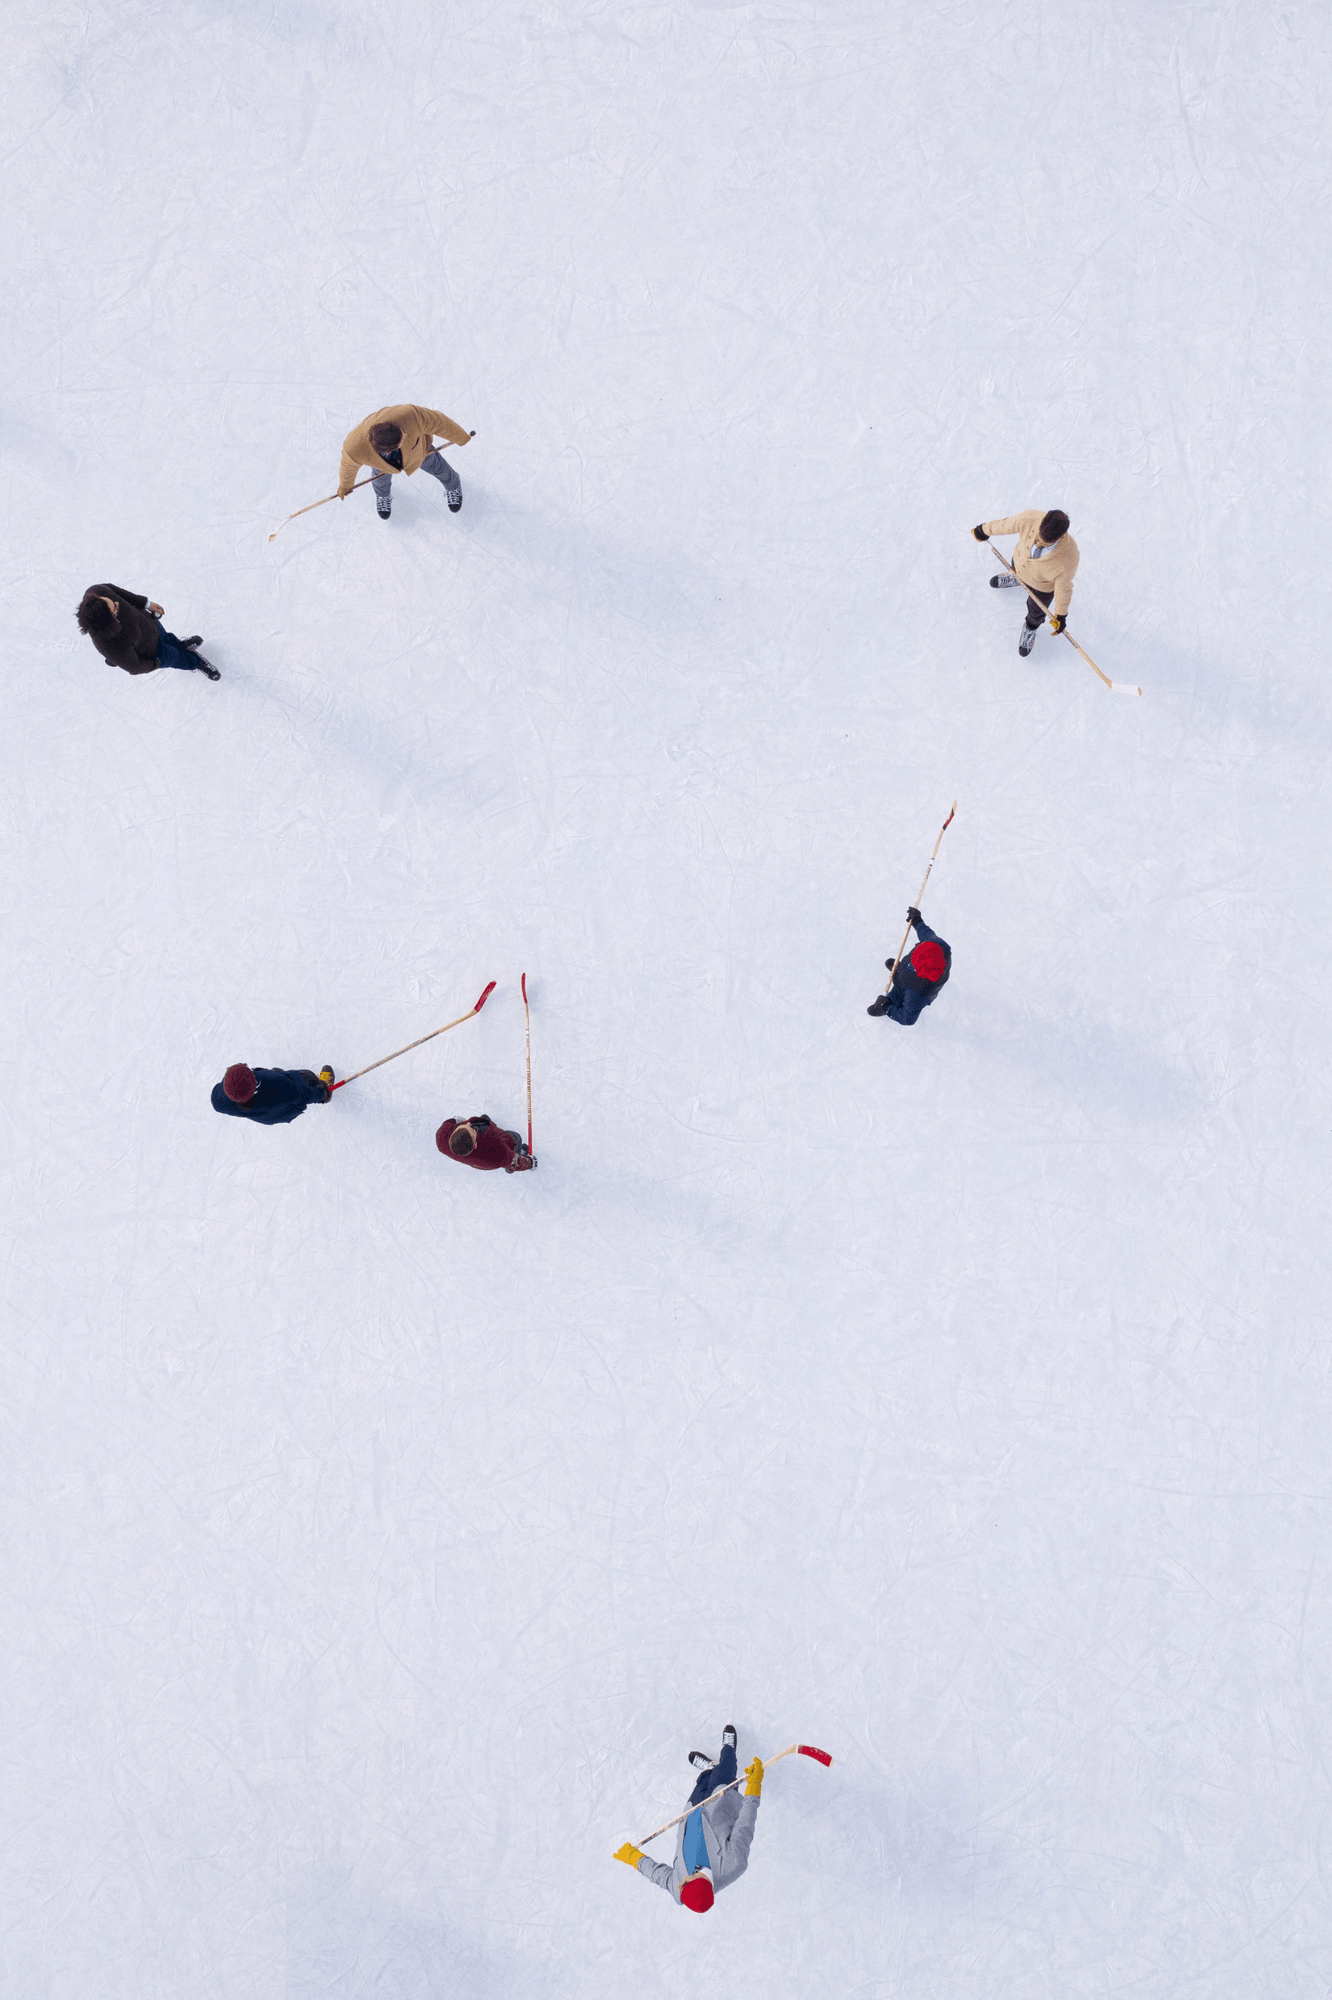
point(911, 994)
point(282, 1095)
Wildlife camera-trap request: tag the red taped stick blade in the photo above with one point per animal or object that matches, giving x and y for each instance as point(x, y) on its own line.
point(524, 989)
point(819, 1756)
point(484, 997)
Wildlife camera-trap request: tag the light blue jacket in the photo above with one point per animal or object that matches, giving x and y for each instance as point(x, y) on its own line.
point(728, 1831)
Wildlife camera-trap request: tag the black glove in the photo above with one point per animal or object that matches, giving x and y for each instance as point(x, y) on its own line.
point(980, 534)
point(1057, 622)
point(913, 916)
point(879, 1007)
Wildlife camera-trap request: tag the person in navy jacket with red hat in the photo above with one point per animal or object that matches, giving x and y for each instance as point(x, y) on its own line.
point(917, 978)
point(479, 1142)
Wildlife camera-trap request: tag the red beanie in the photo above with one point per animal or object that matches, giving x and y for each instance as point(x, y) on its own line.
point(697, 1894)
point(928, 960)
point(239, 1083)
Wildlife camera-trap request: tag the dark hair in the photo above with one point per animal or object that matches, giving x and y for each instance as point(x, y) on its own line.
point(1054, 525)
point(95, 615)
point(385, 437)
point(462, 1141)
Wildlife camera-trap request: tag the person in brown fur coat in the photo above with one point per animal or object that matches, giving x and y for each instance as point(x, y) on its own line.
point(128, 631)
point(401, 438)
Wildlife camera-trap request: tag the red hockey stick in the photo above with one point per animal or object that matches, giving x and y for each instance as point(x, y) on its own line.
point(420, 1038)
point(804, 1750)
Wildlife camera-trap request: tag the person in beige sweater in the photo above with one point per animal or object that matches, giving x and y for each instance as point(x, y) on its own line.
point(401, 438)
point(1046, 560)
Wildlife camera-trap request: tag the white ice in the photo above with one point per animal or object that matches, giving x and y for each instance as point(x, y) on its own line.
point(378, 1538)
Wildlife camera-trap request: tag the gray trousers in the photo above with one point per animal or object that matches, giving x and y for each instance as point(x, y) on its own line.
point(432, 462)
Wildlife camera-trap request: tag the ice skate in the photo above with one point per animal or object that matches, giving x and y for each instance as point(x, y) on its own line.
point(1004, 580)
point(1028, 639)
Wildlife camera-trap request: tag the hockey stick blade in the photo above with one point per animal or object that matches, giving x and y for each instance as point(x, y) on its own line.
point(819, 1756)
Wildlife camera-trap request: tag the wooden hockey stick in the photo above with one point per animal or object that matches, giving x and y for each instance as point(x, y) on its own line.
point(916, 905)
point(527, 1011)
point(417, 1043)
point(389, 474)
point(1115, 687)
point(804, 1750)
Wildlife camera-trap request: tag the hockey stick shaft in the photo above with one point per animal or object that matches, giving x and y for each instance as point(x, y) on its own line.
point(417, 1043)
point(527, 1015)
point(390, 474)
point(1115, 687)
point(804, 1750)
point(916, 905)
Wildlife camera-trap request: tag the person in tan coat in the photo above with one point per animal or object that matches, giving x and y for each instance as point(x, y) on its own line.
point(1046, 560)
point(401, 438)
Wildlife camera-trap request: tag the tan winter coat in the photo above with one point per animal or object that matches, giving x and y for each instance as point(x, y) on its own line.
point(1057, 567)
point(419, 427)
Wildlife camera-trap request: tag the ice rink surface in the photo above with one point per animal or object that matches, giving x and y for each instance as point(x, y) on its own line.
point(378, 1539)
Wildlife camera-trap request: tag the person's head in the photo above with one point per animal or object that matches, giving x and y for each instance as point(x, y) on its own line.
point(385, 438)
point(929, 961)
point(97, 615)
point(240, 1083)
point(462, 1141)
point(696, 1893)
point(1053, 526)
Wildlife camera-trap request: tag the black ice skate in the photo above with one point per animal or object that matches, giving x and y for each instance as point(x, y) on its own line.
point(1003, 580)
point(206, 668)
point(1028, 639)
point(383, 508)
point(193, 645)
point(455, 502)
point(701, 1760)
point(729, 1737)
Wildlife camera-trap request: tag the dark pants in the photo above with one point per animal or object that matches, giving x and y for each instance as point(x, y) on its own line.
point(1038, 603)
point(432, 462)
point(722, 1773)
point(170, 652)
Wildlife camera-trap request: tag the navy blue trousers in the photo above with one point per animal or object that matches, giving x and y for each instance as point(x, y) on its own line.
point(170, 652)
point(722, 1773)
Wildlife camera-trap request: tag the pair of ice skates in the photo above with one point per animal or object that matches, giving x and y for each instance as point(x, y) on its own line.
point(1004, 581)
point(700, 1758)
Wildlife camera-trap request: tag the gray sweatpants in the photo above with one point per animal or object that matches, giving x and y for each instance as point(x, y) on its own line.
point(432, 462)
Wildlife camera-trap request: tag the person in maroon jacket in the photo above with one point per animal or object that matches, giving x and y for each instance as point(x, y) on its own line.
point(128, 632)
point(479, 1142)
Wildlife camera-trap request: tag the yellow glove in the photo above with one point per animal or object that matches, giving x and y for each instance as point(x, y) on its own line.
point(754, 1780)
point(629, 1854)
point(1057, 622)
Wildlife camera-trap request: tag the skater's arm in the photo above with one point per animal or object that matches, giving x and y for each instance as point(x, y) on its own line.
point(1063, 595)
point(1010, 525)
point(923, 931)
point(439, 425)
point(655, 1871)
point(348, 468)
point(736, 1846)
point(123, 596)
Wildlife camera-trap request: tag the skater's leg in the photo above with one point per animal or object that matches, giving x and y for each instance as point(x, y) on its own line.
point(1038, 603)
point(171, 653)
point(434, 462)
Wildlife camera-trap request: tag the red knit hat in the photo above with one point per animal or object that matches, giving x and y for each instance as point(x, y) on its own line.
point(239, 1083)
point(697, 1894)
point(928, 960)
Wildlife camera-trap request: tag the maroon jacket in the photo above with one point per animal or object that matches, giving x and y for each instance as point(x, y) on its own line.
point(495, 1147)
point(133, 644)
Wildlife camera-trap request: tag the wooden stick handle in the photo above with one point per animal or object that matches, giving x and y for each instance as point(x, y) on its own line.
point(389, 474)
point(417, 1043)
point(527, 1013)
point(768, 1763)
point(1115, 687)
point(916, 905)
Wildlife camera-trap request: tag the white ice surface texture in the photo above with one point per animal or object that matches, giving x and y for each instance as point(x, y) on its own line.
point(378, 1537)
